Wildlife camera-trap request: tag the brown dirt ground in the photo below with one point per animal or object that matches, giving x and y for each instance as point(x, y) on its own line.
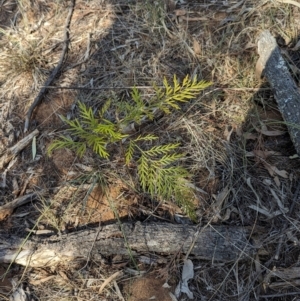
point(223, 133)
point(147, 288)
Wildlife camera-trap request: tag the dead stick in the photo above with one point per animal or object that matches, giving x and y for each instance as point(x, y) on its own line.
point(8, 208)
point(272, 65)
point(55, 71)
point(10, 153)
point(220, 243)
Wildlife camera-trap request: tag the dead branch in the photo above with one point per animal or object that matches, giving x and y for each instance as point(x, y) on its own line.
point(272, 65)
point(55, 71)
point(10, 153)
point(8, 208)
point(219, 243)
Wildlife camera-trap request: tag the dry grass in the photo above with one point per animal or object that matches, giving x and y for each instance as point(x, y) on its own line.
point(119, 44)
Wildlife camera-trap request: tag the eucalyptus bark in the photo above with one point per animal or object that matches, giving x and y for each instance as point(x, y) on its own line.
point(219, 243)
point(272, 65)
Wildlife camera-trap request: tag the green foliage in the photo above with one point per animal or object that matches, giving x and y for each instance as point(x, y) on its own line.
point(157, 166)
point(92, 132)
point(67, 142)
point(169, 96)
point(160, 176)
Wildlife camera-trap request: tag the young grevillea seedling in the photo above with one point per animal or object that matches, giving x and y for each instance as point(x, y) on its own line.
point(158, 170)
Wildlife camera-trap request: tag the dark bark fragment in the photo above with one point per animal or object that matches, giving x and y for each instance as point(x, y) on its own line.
point(272, 65)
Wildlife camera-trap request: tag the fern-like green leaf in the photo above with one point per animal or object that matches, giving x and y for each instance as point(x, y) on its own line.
point(161, 149)
point(63, 142)
point(75, 125)
point(169, 159)
point(129, 152)
point(143, 169)
point(158, 91)
point(146, 138)
point(98, 144)
point(133, 112)
point(87, 115)
point(188, 90)
point(110, 131)
point(80, 148)
point(105, 108)
point(136, 96)
point(66, 142)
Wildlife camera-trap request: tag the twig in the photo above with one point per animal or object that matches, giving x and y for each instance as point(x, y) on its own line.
point(8, 208)
point(279, 295)
point(118, 290)
point(10, 153)
point(100, 88)
point(110, 279)
point(55, 71)
point(150, 87)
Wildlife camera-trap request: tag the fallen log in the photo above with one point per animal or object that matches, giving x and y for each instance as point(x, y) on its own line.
point(272, 65)
point(219, 243)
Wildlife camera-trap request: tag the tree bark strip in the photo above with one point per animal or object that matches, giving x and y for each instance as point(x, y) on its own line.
point(218, 243)
point(272, 65)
